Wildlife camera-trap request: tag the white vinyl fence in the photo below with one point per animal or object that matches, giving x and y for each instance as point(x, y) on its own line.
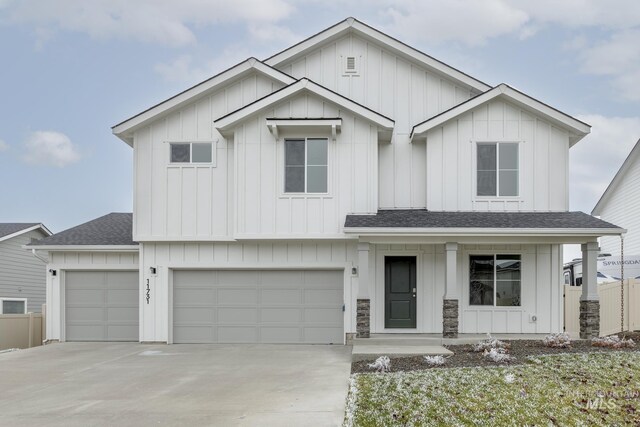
point(610, 307)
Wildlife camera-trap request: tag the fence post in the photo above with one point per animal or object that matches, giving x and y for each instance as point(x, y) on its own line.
point(43, 334)
point(30, 330)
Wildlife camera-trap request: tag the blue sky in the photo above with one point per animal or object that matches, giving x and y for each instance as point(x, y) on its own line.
point(72, 68)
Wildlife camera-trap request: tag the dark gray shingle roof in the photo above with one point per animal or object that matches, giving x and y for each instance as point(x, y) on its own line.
point(421, 218)
point(112, 229)
point(7, 228)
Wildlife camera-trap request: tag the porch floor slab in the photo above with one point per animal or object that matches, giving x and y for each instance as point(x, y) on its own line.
point(396, 340)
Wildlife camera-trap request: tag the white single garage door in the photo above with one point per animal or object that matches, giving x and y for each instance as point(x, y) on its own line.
point(101, 306)
point(267, 306)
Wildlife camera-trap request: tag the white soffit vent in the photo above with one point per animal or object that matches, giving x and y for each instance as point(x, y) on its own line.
point(350, 65)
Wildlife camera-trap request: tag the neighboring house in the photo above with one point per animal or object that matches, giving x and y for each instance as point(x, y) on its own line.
point(348, 184)
point(620, 203)
point(22, 276)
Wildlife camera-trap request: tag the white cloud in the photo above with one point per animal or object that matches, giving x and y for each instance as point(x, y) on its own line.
point(3, 146)
point(165, 22)
point(50, 148)
point(469, 22)
point(596, 159)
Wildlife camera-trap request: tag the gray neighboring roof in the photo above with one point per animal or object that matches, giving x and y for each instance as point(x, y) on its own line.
point(112, 229)
point(7, 228)
point(421, 218)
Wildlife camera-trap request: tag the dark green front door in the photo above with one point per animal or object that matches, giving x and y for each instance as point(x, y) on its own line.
point(400, 292)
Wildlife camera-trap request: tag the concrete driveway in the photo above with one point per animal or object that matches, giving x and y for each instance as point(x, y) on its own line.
point(92, 384)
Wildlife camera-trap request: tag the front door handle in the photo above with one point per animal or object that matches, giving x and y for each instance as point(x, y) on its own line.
point(414, 292)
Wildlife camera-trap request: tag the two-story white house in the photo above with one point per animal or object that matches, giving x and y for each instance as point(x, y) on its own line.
point(349, 184)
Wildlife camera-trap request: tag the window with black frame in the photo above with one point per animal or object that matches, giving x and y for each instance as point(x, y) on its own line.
point(495, 280)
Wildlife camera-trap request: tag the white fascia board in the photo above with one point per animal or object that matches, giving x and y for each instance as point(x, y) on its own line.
point(124, 129)
point(477, 232)
point(352, 24)
point(26, 230)
point(577, 128)
point(304, 122)
point(84, 248)
point(226, 123)
point(617, 179)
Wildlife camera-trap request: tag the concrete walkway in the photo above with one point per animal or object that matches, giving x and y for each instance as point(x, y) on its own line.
point(95, 384)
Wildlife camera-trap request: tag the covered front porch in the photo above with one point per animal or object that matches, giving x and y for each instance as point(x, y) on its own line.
point(459, 273)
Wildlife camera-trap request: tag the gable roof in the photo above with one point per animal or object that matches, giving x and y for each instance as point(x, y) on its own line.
point(226, 122)
point(9, 230)
point(576, 128)
point(124, 129)
point(370, 33)
point(617, 179)
point(458, 222)
point(114, 229)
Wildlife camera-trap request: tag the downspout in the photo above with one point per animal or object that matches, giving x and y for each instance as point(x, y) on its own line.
point(35, 254)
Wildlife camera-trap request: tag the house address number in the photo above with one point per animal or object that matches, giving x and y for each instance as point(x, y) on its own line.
point(148, 296)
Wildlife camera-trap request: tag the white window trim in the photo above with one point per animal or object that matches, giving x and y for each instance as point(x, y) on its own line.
point(305, 194)
point(190, 163)
point(475, 171)
point(495, 282)
point(2, 300)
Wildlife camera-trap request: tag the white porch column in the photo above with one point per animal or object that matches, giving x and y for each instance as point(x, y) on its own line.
point(363, 303)
point(450, 303)
point(590, 300)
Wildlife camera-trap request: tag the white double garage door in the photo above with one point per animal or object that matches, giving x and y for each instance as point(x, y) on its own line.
point(213, 306)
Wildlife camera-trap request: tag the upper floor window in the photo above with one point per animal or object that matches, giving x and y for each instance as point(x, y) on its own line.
point(305, 165)
point(497, 169)
point(191, 152)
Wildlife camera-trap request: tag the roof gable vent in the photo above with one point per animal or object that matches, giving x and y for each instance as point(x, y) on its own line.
point(350, 65)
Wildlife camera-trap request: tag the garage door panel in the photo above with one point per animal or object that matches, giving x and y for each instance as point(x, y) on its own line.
point(122, 314)
point(238, 334)
point(280, 315)
point(333, 316)
point(258, 306)
point(281, 279)
point(79, 296)
point(323, 297)
point(194, 315)
point(232, 277)
point(280, 297)
point(237, 315)
point(84, 314)
point(124, 332)
point(101, 306)
point(237, 296)
point(196, 334)
point(128, 297)
point(195, 296)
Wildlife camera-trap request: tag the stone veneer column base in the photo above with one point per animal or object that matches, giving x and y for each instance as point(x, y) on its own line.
point(589, 319)
point(362, 318)
point(450, 318)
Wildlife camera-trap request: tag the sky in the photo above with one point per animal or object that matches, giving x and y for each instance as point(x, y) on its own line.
point(71, 69)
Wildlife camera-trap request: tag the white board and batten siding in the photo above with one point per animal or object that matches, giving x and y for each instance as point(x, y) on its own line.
point(543, 161)
point(396, 87)
point(262, 208)
point(540, 287)
point(157, 318)
point(21, 274)
point(62, 262)
point(176, 202)
point(622, 209)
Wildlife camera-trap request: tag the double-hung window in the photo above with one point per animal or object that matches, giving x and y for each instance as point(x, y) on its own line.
point(497, 169)
point(494, 280)
point(191, 152)
point(306, 167)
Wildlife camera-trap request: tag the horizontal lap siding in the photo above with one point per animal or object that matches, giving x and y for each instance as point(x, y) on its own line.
point(21, 274)
point(622, 210)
